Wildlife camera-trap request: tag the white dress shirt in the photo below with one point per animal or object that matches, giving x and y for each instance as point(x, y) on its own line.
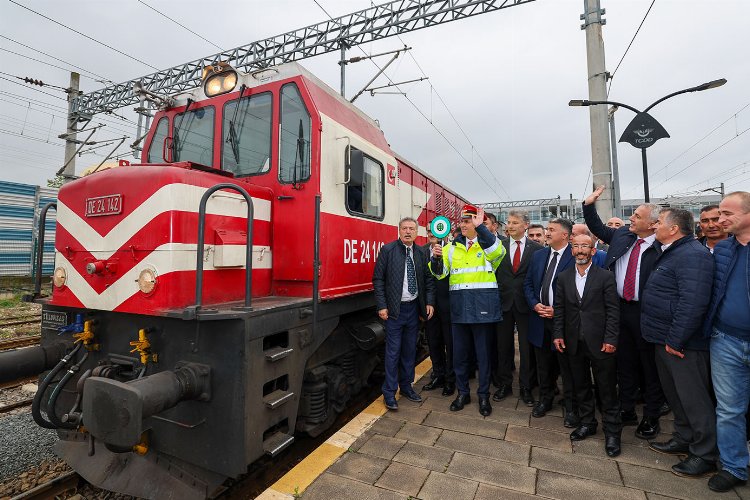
point(557, 264)
point(621, 266)
point(520, 244)
point(581, 280)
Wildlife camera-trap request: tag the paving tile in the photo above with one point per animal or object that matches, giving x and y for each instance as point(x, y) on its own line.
point(538, 437)
point(656, 496)
point(359, 466)
point(382, 446)
point(485, 447)
point(440, 486)
point(387, 425)
point(549, 422)
point(330, 486)
point(575, 465)
point(503, 474)
point(410, 412)
point(361, 440)
point(403, 478)
point(419, 434)
point(631, 454)
point(511, 416)
point(666, 483)
point(489, 492)
point(565, 487)
point(468, 425)
point(426, 457)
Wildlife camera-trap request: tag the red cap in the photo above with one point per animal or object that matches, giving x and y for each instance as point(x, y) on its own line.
point(468, 211)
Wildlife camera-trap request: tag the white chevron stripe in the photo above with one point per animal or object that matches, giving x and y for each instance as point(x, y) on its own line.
point(165, 259)
point(172, 197)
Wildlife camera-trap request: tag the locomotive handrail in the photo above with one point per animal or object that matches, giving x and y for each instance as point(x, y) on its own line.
point(40, 252)
point(201, 240)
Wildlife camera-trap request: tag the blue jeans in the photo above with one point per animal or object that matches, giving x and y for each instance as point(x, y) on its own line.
point(401, 348)
point(730, 371)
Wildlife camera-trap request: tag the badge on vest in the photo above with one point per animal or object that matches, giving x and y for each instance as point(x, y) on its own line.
point(479, 254)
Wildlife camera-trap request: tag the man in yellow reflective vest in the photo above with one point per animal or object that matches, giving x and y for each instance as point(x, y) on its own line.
point(470, 262)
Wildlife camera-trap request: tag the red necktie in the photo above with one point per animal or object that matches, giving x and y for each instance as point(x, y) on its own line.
point(517, 257)
point(628, 289)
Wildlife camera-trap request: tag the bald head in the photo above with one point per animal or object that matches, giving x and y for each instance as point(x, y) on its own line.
point(580, 229)
point(615, 222)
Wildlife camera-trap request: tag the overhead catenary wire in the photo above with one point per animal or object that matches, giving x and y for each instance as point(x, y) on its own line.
point(180, 25)
point(612, 76)
point(47, 63)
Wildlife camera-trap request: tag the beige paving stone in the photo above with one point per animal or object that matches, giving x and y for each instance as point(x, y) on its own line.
point(630, 454)
point(387, 426)
point(403, 478)
point(485, 447)
point(575, 465)
point(330, 486)
point(419, 434)
point(361, 440)
point(426, 457)
point(489, 492)
point(538, 437)
point(503, 474)
point(565, 487)
point(666, 483)
point(515, 417)
point(549, 422)
point(442, 487)
point(411, 412)
point(382, 446)
point(468, 425)
point(656, 496)
point(359, 466)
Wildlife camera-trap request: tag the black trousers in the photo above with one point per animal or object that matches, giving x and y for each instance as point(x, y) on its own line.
point(635, 357)
point(506, 350)
point(547, 363)
point(687, 386)
point(582, 365)
point(440, 344)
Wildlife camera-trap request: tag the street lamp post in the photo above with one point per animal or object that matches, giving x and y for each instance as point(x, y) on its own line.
point(644, 130)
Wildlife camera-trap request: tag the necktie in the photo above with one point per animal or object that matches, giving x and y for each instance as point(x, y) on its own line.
point(517, 257)
point(628, 288)
point(411, 273)
point(547, 282)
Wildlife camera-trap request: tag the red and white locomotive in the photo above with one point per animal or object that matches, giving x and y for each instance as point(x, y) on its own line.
point(177, 379)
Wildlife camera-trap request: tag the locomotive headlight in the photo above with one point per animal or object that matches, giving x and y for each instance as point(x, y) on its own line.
point(220, 83)
point(59, 277)
point(147, 281)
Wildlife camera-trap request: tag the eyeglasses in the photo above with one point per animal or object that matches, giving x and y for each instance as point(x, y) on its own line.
point(585, 246)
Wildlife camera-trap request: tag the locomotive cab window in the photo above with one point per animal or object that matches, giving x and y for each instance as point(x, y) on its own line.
point(294, 137)
point(156, 149)
point(247, 135)
point(364, 191)
point(193, 136)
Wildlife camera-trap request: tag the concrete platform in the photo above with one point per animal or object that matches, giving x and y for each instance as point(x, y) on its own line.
point(426, 451)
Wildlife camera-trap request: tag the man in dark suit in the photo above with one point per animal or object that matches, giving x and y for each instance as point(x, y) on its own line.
point(404, 291)
point(510, 277)
point(587, 315)
point(538, 287)
point(631, 256)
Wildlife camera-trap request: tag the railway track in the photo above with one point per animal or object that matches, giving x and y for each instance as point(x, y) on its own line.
point(17, 404)
point(20, 320)
point(50, 489)
point(19, 342)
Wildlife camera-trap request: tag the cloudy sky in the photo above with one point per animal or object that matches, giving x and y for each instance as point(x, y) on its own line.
point(498, 86)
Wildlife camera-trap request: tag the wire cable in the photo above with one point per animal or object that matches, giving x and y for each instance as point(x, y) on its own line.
point(32, 88)
point(47, 63)
point(612, 76)
point(180, 25)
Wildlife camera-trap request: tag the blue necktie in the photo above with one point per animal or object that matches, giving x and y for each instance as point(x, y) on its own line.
point(411, 273)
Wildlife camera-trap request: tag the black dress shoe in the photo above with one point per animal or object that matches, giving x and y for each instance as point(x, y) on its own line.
point(571, 420)
point(449, 389)
point(541, 409)
point(629, 417)
point(648, 428)
point(724, 481)
point(582, 432)
point(433, 384)
point(694, 466)
point(484, 406)
point(526, 397)
point(460, 401)
point(390, 403)
point(670, 447)
point(411, 395)
point(503, 392)
point(612, 446)
point(665, 409)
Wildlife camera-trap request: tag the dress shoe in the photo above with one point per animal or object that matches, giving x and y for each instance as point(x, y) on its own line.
point(460, 401)
point(648, 428)
point(503, 392)
point(411, 395)
point(612, 446)
point(670, 447)
point(694, 466)
point(390, 403)
point(629, 417)
point(433, 384)
point(665, 409)
point(571, 420)
point(724, 481)
point(526, 397)
point(582, 432)
point(449, 389)
point(541, 409)
point(484, 406)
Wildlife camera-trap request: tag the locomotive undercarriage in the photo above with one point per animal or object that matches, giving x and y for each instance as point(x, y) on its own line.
point(232, 386)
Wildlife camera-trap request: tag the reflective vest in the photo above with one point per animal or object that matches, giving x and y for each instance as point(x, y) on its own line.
point(472, 268)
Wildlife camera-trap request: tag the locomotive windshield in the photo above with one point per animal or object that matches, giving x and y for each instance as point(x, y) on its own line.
point(247, 135)
point(294, 165)
point(194, 136)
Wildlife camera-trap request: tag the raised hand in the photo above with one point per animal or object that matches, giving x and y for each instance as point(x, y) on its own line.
point(594, 196)
point(478, 219)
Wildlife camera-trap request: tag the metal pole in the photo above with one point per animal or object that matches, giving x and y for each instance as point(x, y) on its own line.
point(722, 190)
point(597, 78)
point(69, 171)
point(615, 170)
point(646, 197)
point(342, 63)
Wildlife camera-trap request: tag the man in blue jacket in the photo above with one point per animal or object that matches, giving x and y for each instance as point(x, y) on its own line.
point(674, 303)
point(728, 323)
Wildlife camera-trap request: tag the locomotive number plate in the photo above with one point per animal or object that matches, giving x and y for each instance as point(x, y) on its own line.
point(104, 205)
point(52, 320)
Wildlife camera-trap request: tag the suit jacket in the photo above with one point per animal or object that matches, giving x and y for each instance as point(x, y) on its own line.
point(388, 278)
point(596, 316)
point(532, 286)
point(442, 300)
point(510, 283)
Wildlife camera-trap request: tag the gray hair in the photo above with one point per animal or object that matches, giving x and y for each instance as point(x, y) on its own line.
point(521, 214)
point(683, 219)
point(653, 211)
point(408, 219)
point(565, 224)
